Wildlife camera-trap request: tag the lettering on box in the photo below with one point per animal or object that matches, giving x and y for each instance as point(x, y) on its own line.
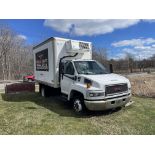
point(42, 60)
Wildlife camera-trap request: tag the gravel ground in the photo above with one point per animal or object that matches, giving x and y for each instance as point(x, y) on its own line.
point(2, 86)
point(4, 83)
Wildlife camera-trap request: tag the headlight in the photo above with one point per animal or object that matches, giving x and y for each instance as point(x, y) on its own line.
point(88, 83)
point(96, 94)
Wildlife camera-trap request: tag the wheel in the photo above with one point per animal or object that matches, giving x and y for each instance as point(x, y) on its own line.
point(29, 80)
point(78, 104)
point(43, 91)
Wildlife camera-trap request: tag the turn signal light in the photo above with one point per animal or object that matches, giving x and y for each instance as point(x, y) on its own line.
point(88, 85)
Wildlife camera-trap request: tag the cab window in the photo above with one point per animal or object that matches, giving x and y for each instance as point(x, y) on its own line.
point(69, 69)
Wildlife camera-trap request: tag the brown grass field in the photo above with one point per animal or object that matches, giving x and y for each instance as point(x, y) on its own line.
point(143, 85)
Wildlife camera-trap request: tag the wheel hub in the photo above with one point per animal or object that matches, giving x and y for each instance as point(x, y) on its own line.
point(77, 105)
point(42, 92)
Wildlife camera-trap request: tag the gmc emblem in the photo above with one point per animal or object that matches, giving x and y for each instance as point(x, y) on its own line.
point(117, 88)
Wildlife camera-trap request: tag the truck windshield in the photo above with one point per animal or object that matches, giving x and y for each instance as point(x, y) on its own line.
point(89, 67)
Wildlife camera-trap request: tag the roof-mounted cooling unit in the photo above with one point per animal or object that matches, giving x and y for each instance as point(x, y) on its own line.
point(76, 46)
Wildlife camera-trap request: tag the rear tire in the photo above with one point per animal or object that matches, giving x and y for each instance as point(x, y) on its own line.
point(44, 91)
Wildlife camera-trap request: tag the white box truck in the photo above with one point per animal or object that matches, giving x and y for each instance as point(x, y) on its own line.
point(67, 65)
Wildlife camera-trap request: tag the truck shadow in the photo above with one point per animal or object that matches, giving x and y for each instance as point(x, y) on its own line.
point(53, 103)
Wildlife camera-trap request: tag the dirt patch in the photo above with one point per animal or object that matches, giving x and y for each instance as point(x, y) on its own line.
point(143, 85)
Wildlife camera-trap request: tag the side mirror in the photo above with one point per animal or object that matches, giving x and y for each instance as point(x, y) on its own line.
point(75, 78)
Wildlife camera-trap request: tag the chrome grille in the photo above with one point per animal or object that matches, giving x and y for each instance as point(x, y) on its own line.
point(114, 89)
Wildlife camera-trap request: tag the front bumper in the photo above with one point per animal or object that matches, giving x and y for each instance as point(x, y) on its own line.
point(108, 103)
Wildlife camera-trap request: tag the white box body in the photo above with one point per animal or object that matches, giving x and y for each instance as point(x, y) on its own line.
point(48, 53)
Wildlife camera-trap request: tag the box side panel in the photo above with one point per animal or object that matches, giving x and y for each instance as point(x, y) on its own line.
point(43, 63)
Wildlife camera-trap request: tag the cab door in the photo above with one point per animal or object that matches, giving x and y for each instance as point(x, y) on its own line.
point(67, 78)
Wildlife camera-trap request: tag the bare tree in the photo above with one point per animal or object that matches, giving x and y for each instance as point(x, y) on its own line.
point(100, 54)
point(130, 60)
point(15, 55)
point(6, 42)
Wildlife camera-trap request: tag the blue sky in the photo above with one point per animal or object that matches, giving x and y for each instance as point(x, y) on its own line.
point(117, 36)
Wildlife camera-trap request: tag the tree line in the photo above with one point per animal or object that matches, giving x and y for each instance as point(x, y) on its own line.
point(16, 57)
point(127, 65)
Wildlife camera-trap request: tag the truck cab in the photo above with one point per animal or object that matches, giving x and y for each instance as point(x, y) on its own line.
point(88, 85)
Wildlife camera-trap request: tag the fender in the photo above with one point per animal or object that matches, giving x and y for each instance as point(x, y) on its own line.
point(79, 88)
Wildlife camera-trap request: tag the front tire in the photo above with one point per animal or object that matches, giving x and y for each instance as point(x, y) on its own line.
point(78, 104)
